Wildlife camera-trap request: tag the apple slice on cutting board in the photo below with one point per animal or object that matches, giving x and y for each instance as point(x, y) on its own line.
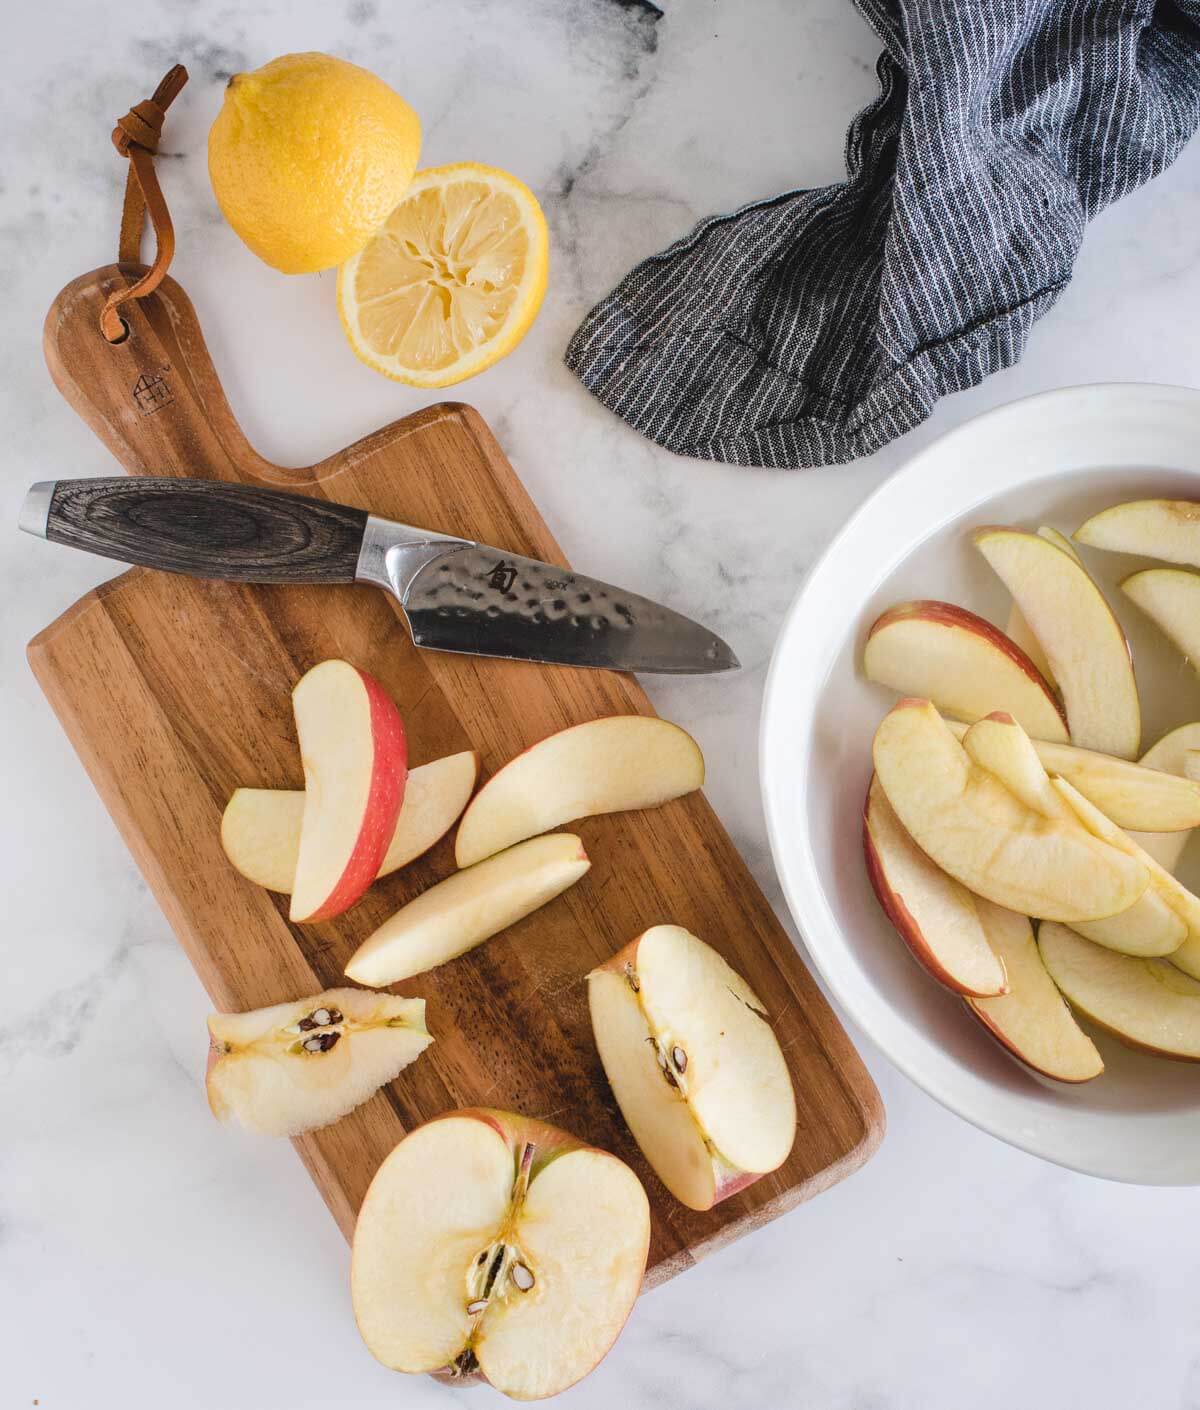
point(962, 663)
point(1081, 637)
point(694, 1065)
point(1146, 1004)
point(492, 1245)
point(1139, 797)
point(1017, 628)
point(1150, 926)
point(467, 908)
point(1032, 1020)
point(355, 758)
point(294, 1067)
point(608, 765)
point(975, 829)
point(934, 915)
point(260, 829)
point(1167, 529)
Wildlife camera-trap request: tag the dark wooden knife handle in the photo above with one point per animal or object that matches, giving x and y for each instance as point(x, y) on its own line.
point(208, 528)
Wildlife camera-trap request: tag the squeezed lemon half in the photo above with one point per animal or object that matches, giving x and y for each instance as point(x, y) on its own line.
point(452, 280)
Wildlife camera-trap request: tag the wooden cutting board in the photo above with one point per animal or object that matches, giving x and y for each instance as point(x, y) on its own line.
point(174, 692)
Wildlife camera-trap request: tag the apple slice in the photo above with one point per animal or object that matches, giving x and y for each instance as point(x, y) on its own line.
point(294, 1067)
point(1031, 1020)
point(933, 914)
point(1082, 639)
point(1170, 756)
point(973, 827)
point(694, 1065)
point(1146, 1004)
point(1018, 629)
point(260, 830)
point(467, 908)
point(962, 663)
point(1170, 597)
point(999, 744)
point(355, 758)
point(603, 766)
point(491, 1245)
point(1168, 529)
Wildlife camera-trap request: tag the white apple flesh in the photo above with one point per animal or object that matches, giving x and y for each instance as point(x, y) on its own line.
point(609, 765)
point(1169, 755)
point(467, 908)
point(933, 914)
point(1146, 1004)
point(355, 758)
point(1018, 629)
point(1032, 1020)
point(296, 1066)
point(260, 829)
point(1167, 529)
point(491, 1245)
point(1081, 637)
point(962, 663)
point(975, 829)
point(694, 1065)
point(1170, 597)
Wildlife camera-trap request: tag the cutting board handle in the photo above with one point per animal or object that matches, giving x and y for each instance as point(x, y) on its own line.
point(153, 398)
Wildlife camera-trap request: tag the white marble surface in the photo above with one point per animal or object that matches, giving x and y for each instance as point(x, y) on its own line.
point(148, 1258)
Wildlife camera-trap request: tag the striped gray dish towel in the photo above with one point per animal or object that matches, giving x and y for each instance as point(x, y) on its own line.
point(818, 326)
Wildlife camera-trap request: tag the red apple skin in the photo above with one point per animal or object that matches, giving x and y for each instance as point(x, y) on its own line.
point(995, 1033)
point(902, 919)
point(385, 798)
point(951, 615)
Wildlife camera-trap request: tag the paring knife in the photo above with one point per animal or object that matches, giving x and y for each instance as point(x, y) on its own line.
point(457, 595)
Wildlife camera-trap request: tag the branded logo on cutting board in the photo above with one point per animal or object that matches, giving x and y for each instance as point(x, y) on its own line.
point(152, 391)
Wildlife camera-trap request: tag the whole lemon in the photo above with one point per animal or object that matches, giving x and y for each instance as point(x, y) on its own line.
point(308, 156)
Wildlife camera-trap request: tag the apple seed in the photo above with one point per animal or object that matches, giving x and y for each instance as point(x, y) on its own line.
point(477, 1306)
point(522, 1276)
point(319, 1018)
point(631, 977)
point(679, 1058)
point(320, 1042)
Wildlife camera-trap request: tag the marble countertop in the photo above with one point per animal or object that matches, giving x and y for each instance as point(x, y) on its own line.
point(148, 1258)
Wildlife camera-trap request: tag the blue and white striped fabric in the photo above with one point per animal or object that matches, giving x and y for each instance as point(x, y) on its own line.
point(818, 326)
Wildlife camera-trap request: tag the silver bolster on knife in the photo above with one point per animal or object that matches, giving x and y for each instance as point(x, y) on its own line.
point(393, 554)
point(35, 512)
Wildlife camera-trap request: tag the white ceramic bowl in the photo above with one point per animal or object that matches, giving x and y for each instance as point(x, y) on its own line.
point(1054, 459)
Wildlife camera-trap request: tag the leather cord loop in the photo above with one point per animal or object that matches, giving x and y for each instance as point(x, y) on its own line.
point(136, 137)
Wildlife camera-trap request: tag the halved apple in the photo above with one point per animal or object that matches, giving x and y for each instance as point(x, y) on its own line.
point(1146, 1004)
point(492, 1245)
point(355, 758)
point(1083, 641)
point(293, 1067)
point(1032, 1020)
point(933, 914)
point(467, 908)
point(604, 766)
point(1000, 745)
point(1170, 597)
point(1168, 755)
point(973, 827)
point(260, 829)
point(962, 663)
point(1168, 529)
point(694, 1065)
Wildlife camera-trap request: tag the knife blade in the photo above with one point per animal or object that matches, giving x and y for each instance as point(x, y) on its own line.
point(456, 595)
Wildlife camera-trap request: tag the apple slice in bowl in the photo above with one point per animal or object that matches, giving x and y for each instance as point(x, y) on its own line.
point(1167, 529)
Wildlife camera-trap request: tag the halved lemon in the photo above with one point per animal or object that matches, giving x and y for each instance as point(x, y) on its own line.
point(451, 281)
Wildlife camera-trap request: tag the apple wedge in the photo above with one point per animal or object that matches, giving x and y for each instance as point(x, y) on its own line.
point(294, 1067)
point(1083, 641)
point(932, 913)
point(604, 766)
point(962, 663)
point(1146, 1004)
point(1032, 1020)
point(1167, 529)
point(1170, 597)
point(973, 827)
point(260, 829)
point(467, 908)
point(494, 1246)
point(1169, 755)
point(694, 1065)
point(1017, 628)
point(355, 758)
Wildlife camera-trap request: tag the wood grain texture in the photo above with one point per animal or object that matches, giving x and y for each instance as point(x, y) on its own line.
point(175, 691)
point(211, 529)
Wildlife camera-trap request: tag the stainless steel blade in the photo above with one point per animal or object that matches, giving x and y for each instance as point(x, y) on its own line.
point(485, 602)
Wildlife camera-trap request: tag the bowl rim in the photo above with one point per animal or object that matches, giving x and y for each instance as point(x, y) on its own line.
point(805, 893)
